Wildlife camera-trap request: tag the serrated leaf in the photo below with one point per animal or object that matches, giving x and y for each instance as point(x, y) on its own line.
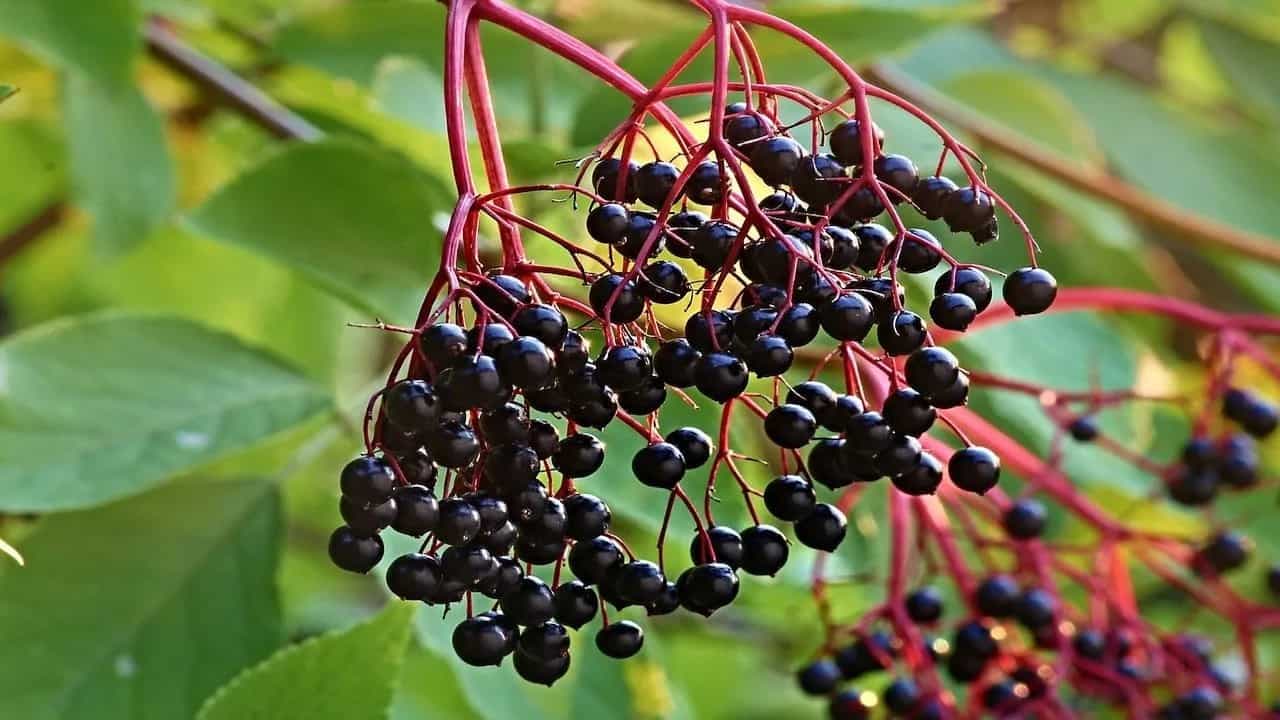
point(102, 406)
point(98, 39)
point(347, 674)
point(356, 220)
point(141, 608)
point(120, 167)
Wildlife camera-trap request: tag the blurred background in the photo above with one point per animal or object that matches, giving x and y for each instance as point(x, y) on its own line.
point(179, 384)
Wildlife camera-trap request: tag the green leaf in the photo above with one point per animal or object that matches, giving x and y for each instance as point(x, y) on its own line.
point(120, 165)
point(97, 38)
point(358, 221)
point(141, 608)
point(348, 674)
point(440, 699)
point(1245, 60)
point(35, 171)
point(97, 407)
point(6, 91)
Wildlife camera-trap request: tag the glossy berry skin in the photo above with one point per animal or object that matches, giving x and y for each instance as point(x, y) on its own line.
point(586, 516)
point(604, 179)
point(902, 453)
point(502, 293)
point(625, 367)
point(608, 223)
point(353, 551)
point(1194, 487)
point(1273, 579)
point(789, 497)
point(968, 281)
point(453, 445)
point(544, 642)
point(920, 252)
point(368, 480)
point(467, 564)
point(1225, 551)
point(931, 194)
point(659, 465)
point(708, 332)
point(1254, 415)
point(997, 596)
point(828, 465)
point(1029, 291)
point(975, 469)
point(488, 340)
point(726, 543)
point(869, 433)
point(367, 519)
point(932, 370)
point(668, 601)
point(954, 396)
point(1083, 429)
point(620, 640)
point(814, 396)
point(639, 227)
point(471, 382)
point(664, 282)
point(1035, 608)
point(411, 404)
point(764, 550)
point(902, 333)
point(706, 185)
point(846, 142)
point(953, 311)
point(592, 560)
point(899, 173)
point(529, 603)
point(819, 677)
point(873, 241)
point(506, 424)
point(848, 316)
point(414, 576)
point(790, 426)
point(711, 244)
point(775, 160)
point(676, 362)
point(901, 696)
point(575, 604)
point(417, 510)
point(769, 356)
point(654, 183)
point(848, 705)
point(459, 522)
point(502, 580)
point(693, 444)
point(720, 376)
point(639, 582)
point(418, 468)
point(628, 305)
point(922, 478)
point(480, 641)
point(968, 209)
point(1025, 520)
point(799, 324)
point(683, 225)
point(908, 412)
point(543, 322)
point(706, 588)
point(816, 179)
point(579, 455)
point(443, 343)
point(822, 529)
point(742, 128)
point(541, 672)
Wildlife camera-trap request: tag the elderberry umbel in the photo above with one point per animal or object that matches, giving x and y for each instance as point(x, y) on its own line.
point(547, 363)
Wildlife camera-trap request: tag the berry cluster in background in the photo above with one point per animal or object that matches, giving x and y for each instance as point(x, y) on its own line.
point(782, 248)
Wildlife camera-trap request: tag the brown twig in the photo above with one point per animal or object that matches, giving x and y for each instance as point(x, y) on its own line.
point(16, 241)
point(232, 89)
point(1193, 228)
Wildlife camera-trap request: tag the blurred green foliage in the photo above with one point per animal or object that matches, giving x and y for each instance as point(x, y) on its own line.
point(178, 383)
